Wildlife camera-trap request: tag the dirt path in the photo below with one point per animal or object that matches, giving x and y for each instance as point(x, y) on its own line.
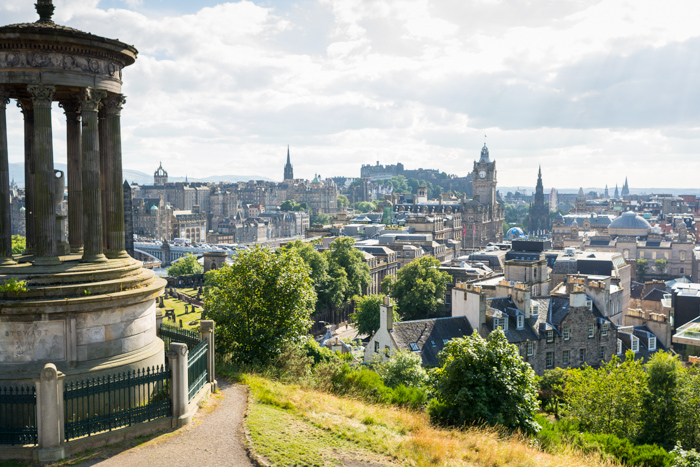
point(213, 438)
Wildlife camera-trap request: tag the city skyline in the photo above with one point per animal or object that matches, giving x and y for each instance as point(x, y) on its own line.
point(591, 91)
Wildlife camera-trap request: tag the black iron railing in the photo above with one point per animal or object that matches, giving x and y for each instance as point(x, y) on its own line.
point(197, 368)
point(18, 415)
point(106, 403)
point(174, 334)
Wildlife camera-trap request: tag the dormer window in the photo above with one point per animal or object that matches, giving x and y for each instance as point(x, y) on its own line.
point(500, 323)
point(635, 344)
point(521, 321)
point(535, 308)
point(619, 347)
point(652, 343)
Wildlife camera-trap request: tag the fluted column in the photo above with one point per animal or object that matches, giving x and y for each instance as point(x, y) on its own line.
point(5, 218)
point(105, 168)
point(28, 113)
point(75, 174)
point(92, 199)
point(114, 190)
point(44, 210)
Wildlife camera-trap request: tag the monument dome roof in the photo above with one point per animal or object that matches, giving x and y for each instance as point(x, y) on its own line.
point(629, 223)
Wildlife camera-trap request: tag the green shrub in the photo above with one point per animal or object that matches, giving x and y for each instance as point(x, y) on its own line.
point(13, 286)
point(403, 368)
point(318, 353)
point(683, 458)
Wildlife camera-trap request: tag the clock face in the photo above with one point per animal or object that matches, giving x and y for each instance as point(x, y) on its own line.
point(482, 174)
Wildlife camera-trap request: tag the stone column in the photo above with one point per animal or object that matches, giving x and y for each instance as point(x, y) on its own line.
point(179, 391)
point(206, 331)
point(49, 413)
point(28, 112)
point(5, 217)
point(75, 174)
point(44, 211)
point(114, 190)
point(92, 199)
point(105, 167)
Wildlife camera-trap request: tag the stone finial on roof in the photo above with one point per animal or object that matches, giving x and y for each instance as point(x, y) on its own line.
point(45, 9)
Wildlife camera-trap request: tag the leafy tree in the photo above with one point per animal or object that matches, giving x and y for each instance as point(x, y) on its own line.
point(688, 414)
point(661, 401)
point(19, 244)
point(399, 184)
point(185, 266)
point(365, 206)
point(484, 381)
point(642, 269)
point(343, 253)
point(366, 316)
point(321, 219)
point(289, 205)
point(550, 387)
point(342, 201)
point(660, 265)
point(260, 302)
point(608, 399)
point(304, 206)
point(403, 368)
point(419, 288)
point(336, 290)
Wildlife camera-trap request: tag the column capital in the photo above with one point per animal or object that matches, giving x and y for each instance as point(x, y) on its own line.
point(71, 107)
point(5, 94)
point(90, 99)
point(113, 103)
point(25, 105)
point(41, 95)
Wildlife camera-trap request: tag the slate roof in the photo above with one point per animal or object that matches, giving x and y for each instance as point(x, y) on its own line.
point(507, 307)
point(643, 333)
point(655, 295)
point(430, 335)
point(636, 289)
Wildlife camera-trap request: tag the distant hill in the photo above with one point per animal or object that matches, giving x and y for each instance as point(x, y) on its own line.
point(17, 172)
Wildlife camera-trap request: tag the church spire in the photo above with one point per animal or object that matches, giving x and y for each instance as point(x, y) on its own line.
point(288, 170)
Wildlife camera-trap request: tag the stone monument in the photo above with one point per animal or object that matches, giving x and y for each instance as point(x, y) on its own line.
point(87, 306)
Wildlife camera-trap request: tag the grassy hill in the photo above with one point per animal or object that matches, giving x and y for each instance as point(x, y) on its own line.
point(290, 425)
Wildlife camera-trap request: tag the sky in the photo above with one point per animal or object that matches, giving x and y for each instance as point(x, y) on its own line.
point(593, 91)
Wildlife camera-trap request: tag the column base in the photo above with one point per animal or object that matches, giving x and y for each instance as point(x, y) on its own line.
point(50, 454)
point(100, 258)
point(76, 250)
point(7, 261)
point(114, 254)
point(47, 261)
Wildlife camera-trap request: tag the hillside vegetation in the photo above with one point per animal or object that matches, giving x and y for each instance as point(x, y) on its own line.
point(294, 425)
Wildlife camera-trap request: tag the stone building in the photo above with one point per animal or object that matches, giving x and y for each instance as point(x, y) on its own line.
point(382, 262)
point(483, 215)
point(190, 224)
point(152, 218)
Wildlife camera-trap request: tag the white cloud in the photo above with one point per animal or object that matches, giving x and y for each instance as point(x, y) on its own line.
point(586, 88)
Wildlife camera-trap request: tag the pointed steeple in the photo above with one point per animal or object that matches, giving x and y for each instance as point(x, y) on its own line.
point(288, 170)
point(288, 160)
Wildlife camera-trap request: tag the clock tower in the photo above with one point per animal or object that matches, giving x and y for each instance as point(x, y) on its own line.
point(484, 179)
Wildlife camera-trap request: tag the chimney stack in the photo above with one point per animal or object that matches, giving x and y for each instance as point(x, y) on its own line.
point(386, 315)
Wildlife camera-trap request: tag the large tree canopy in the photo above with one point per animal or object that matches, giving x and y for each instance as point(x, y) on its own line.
point(343, 253)
point(484, 381)
point(260, 302)
point(185, 266)
point(366, 316)
point(419, 288)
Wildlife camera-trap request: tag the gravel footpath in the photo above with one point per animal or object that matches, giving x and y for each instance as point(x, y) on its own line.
point(213, 438)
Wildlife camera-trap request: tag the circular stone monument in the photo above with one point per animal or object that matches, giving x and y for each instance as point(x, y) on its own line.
point(85, 305)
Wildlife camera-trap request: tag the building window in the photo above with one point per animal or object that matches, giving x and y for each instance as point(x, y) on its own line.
point(565, 357)
point(635, 344)
point(535, 308)
point(521, 321)
point(641, 255)
point(652, 343)
point(604, 329)
point(376, 346)
point(567, 333)
point(591, 330)
point(682, 270)
point(550, 359)
point(500, 323)
point(582, 356)
point(619, 347)
point(550, 337)
point(601, 353)
point(530, 349)
point(682, 255)
point(414, 346)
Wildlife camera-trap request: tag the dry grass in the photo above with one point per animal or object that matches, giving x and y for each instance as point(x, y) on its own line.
point(406, 436)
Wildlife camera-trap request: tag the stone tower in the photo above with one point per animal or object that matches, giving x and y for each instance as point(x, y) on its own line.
point(580, 200)
point(625, 189)
point(160, 176)
point(288, 170)
point(484, 179)
point(539, 217)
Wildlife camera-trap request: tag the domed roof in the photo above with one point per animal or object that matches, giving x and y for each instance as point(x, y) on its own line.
point(514, 232)
point(559, 218)
point(154, 208)
point(629, 223)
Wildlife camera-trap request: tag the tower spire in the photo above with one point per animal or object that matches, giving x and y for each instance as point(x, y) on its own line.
point(288, 170)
